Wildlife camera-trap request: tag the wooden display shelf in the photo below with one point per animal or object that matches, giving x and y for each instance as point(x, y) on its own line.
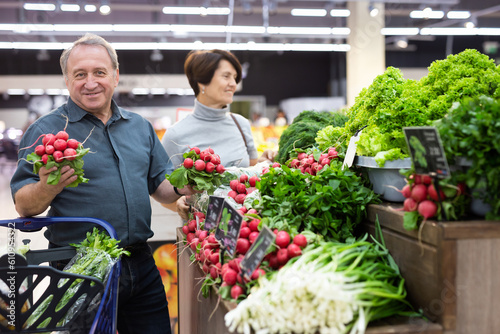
point(199, 315)
point(450, 268)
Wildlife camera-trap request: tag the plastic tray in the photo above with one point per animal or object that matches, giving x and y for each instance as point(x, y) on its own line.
point(104, 321)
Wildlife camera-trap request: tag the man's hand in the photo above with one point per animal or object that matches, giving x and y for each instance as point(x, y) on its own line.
point(66, 179)
point(183, 208)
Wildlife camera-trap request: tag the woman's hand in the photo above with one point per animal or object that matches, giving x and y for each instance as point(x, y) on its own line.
point(267, 155)
point(183, 208)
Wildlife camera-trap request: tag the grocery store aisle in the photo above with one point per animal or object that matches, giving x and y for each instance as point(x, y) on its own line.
point(164, 221)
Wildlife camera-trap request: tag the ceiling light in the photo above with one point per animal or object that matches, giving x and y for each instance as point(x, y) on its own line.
point(105, 9)
point(66, 7)
point(83, 27)
point(472, 23)
point(448, 31)
point(196, 10)
point(340, 12)
point(299, 30)
point(36, 91)
point(40, 6)
point(308, 12)
point(399, 31)
point(402, 43)
point(427, 13)
point(458, 14)
point(16, 91)
point(90, 8)
point(373, 10)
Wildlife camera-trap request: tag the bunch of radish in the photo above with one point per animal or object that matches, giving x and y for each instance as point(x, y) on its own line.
point(201, 169)
point(286, 248)
point(422, 197)
point(58, 150)
point(313, 162)
point(242, 186)
point(273, 165)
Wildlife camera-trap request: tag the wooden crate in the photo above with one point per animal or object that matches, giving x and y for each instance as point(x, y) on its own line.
point(199, 315)
point(451, 268)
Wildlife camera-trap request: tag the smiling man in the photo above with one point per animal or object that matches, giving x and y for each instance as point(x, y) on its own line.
point(126, 166)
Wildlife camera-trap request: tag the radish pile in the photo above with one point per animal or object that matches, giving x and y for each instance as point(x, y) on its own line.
point(241, 187)
point(422, 200)
point(201, 168)
point(312, 163)
point(59, 150)
point(229, 275)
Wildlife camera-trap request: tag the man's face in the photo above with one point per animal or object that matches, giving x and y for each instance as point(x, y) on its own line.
point(91, 79)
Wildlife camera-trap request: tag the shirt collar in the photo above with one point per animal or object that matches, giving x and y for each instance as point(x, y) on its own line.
point(75, 113)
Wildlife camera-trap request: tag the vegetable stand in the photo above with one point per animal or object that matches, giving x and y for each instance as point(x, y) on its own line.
point(206, 315)
point(16, 271)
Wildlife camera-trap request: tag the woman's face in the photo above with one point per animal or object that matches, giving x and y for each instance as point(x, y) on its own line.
point(219, 92)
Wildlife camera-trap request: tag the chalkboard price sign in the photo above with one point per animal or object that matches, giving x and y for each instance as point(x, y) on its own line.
point(229, 227)
point(426, 151)
point(256, 253)
point(214, 212)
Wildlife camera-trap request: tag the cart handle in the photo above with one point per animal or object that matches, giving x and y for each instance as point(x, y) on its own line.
point(36, 223)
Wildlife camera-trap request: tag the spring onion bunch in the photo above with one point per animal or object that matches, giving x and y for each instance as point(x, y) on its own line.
point(332, 288)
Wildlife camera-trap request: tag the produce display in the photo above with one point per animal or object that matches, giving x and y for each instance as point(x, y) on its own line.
point(319, 274)
point(59, 150)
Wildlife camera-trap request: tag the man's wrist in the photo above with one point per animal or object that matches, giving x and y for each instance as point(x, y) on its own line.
point(177, 192)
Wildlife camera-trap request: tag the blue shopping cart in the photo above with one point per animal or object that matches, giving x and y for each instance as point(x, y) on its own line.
point(16, 270)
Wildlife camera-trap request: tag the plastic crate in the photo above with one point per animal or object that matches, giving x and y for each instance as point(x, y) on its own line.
point(104, 321)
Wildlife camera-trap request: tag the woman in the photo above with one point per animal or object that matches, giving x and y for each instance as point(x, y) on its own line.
point(214, 76)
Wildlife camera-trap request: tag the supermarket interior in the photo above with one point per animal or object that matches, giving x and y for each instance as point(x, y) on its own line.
point(382, 117)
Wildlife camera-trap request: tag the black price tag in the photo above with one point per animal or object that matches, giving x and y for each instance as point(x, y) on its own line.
point(426, 151)
point(229, 227)
point(256, 253)
point(214, 212)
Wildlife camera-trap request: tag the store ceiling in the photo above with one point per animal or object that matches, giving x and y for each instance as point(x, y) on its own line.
point(43, 26)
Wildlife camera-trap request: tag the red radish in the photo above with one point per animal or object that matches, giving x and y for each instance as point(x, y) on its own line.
point(410, 204)
point(210, 150)
point(273, 260)
point(49, 139)
point(62, 135)
point(185, 229)
point(194, 243)
point(206, 268)
point(254, 225)
point(257, 273)
point(236, 291)
point(235, 264)
point(73, 143)
point(417, 179)
point(301, 155)
point(293, 250)
point(243, 178)
point(427, 209)
point(189, 237)
point(232, 194)
point(419, 192)
point(325, 161)
point(406, 191)
point(70, 154)
point(426, 179)
point(243, 210)
point(196, 150)
point(253, 235)
point(240, 198)
point(215, 159)
point(282, 239)
point(205, 155)
point(199, 165)
point(220, 169)
point(230, 276)
point(209, 167)
point(199, 214)
point(211, 240)
point(241, 188)
point(244, 223)
point(58, 156)
point(245, 232)
point(308, 170)
point(332, 153)
point(252, 211)
point(242, 245)
point(282, 256)
point(192, 225)
point(60, 144)
point(214, 258)
point(203, 235)
point(214, 273)
point(188, 163)
point(300, 240)
point(49, 149)
point(45, 158)
point(276, 165)
point(253, 180)
point(223, 269)
point(294, 163)
point(233, 184)
point(40, 150)
point(433, 194)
